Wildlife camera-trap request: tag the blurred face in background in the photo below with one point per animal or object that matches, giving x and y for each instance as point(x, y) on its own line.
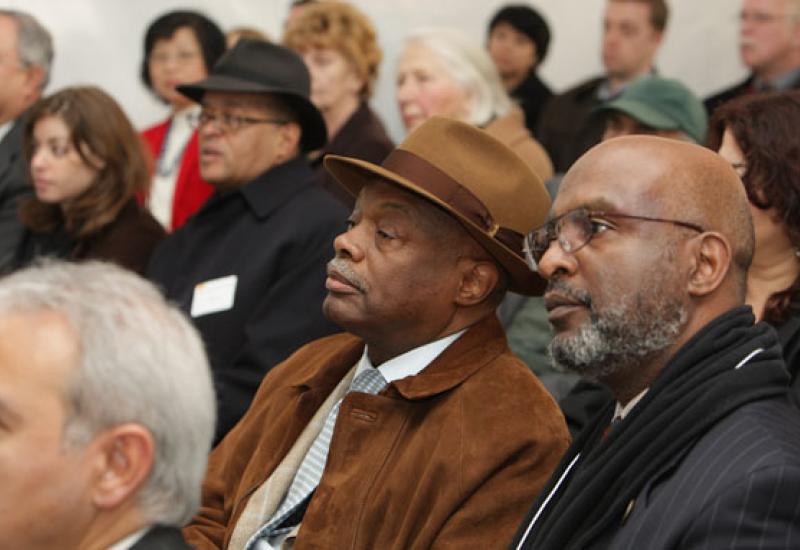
point(426, 88)
point(233, 156)
point(513, 52)
point(59, 173)
point(334, 81)
point(20, 84)
point(769, 36)
point(766, 224)
point(175, 61)
point(629, 40)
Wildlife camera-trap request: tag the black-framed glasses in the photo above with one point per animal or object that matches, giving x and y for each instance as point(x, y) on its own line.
point(230, 123)
point(574, 230)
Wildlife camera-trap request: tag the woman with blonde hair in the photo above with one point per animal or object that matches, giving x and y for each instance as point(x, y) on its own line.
point(87, 165)
point(340, 48)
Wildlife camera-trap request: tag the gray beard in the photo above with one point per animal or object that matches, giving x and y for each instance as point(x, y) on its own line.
point(621, 337)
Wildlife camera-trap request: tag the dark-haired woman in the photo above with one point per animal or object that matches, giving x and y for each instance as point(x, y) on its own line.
point(758, 135)
point(179, 48)
point(87, 165)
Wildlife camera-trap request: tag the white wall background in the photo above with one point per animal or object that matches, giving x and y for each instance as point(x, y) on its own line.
point(100, 41)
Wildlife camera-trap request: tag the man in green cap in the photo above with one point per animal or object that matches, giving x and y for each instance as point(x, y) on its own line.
point(658, 106)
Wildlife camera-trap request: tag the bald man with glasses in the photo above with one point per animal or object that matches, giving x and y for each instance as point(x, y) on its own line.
point(250, 266)
point(646, 257)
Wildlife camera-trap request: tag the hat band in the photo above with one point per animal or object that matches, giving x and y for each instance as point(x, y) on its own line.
point(414, 168)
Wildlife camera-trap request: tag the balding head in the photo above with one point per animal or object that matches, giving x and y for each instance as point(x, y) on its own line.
point(655, 240)
point(672, 180)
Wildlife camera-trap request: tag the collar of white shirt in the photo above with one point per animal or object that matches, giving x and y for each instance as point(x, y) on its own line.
point(6, 128)
point(411, 362)
point(621, 412)
point(130, 540)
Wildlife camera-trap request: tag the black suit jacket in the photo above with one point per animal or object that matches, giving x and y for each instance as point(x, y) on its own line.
point(723, 96)
point(744, 87)
point(162, 538)
point(532, 95)
point(275, 234)
point(14, 185)
point(363, 137)
point(738, 487)
point(568, 125)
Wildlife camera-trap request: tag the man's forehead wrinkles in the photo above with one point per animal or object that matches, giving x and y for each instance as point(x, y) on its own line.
point(597, 204)
point(395, 207)
point(380, 197)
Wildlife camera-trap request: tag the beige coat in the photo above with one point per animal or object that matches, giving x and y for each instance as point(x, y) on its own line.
point(449, 458)
point(510, 129)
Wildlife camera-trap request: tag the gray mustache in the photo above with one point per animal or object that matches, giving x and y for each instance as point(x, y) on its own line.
point(572, 293)
point(342, 267)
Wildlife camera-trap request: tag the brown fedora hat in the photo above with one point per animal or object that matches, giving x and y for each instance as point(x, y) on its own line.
point(258, 67)
point(487, 187)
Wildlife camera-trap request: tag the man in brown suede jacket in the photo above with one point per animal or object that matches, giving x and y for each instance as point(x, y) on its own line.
point(448, 444)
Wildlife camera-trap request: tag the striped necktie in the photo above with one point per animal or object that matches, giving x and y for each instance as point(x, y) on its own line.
point(310, 471)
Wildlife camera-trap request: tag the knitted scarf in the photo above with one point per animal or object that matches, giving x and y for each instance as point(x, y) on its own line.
point(698, 387)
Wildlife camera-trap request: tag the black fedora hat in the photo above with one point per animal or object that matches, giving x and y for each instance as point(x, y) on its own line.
point(254, 66)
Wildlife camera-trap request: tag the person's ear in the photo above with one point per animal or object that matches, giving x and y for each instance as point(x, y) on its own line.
point(354, 82)
point(710, 261)
point(535, 56)
point(34, 80)
point(124, 458)
point(478, 279)
point(289, 142)
point(659, 38)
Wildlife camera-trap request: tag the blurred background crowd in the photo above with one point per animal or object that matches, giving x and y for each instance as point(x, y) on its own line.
point(700, 46)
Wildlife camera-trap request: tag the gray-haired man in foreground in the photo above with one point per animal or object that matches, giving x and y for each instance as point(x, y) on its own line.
point(106, 411)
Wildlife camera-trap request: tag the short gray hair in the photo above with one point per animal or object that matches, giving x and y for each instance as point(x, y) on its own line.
point(471, 67)
point(141, 361)
point(34, 43)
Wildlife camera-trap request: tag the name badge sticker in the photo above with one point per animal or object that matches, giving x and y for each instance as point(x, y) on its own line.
point(213, 295)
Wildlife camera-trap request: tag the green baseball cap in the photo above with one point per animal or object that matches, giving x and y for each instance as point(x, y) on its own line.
point(662, 104)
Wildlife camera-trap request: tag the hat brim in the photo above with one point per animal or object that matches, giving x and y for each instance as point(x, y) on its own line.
point(643, 113)
point(315, 132)
point(354, 174)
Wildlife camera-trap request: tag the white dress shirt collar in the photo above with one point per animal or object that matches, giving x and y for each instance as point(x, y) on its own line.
point(6, 128)
point(411, 362)
point(621, 412)
point(130, 540)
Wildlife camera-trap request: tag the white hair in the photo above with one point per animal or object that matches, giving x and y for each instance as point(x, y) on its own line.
point(141, 361)
point(471, 67)
point(34, 43)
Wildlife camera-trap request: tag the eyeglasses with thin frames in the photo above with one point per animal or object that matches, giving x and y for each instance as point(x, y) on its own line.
point(576, 228)
point(762, 18)
point(228, 122)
